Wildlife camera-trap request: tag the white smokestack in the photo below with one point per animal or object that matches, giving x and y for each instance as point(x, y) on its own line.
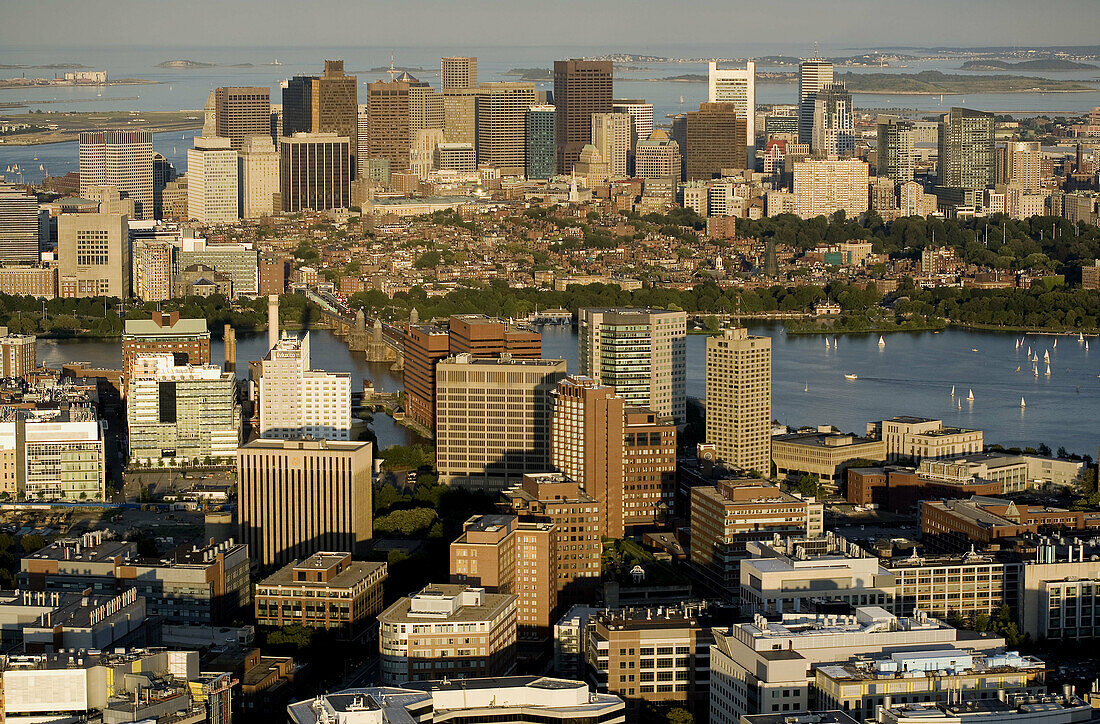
point(272, 320)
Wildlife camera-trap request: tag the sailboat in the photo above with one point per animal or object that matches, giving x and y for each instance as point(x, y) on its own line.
point(1055, 344)
point(970, 395)
point(952, 390)
point(1035, 370)
point(806, 388)
point(1048, 371)
point(960, 404)
point(1029, 350)
point(1080, 338)
point(1034, 358)
point(834, 342)
point(1022, 403)
point(881, 341)
point(1046, 356)
point(826, 343)
point(1017, 368)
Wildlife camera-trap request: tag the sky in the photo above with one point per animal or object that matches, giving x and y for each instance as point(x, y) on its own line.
point(626, 25)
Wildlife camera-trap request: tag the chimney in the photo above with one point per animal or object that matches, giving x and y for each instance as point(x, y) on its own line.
point(272, 320)
point(229, 338)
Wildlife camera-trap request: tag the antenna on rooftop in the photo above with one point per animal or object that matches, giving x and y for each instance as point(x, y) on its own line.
point(392, 72)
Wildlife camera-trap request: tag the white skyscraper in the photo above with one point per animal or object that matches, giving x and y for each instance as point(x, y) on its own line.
point(297, 401)
point(813, 75)
point(212, 181)
point(640, 112)
point(737, 86)
point(122, 159)
point(611, 135)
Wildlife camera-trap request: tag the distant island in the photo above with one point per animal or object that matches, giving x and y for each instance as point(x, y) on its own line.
point(184, 64)
point(402, 68)
point(51, 66)
point(933, 82)
point(1040, 64)
point(531, 73)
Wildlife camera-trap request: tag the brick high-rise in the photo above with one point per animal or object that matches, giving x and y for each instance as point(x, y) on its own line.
point(581, 88)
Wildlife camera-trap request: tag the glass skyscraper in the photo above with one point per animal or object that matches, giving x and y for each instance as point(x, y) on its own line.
point(540, 142)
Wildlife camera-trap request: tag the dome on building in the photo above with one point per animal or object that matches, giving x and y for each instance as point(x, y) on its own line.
point(659, 134)
point(480, 190)
point(590, 154)
point(406, 77)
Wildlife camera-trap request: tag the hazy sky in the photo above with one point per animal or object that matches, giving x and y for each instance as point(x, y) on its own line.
point(614, 24)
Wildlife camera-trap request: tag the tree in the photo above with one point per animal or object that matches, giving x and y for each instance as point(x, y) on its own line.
point(295, 636)
point(32, 542)
point(680, 716)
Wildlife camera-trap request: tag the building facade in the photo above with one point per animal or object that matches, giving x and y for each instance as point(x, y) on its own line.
point(327, 590)
point(122, 159)
point(738, 397)
point(315, 172)
point(581, 88)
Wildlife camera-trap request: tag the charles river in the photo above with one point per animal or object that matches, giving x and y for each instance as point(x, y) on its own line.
point(911, 375)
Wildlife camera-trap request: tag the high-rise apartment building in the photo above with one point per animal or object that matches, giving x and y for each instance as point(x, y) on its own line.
point(540, 142)
point(18, 354)
point(581, 88)
point(501, 125)
point(895, 149)
point(833, 133)
point(181, 413)
point(322, 104)
point(641, 116)
point(493, 419)
point(123, 159)
point(612, 134)
point(813, 75)
point(315, 172)
point(966, 149)
point(258, 171)
point(640, 353)
point(298, 401)
point(736, 86)
point(153, 263)
point(457, 73)
point(739, 399)
point(658, 156)
point(388, 134)
point(188, 340)
point(298, 497)
point(1020, 165)
point(93, 255)
point(240, 113)
point(212, 181)
point(621, 455)
point(824, 186)
point(20, 225)
point(716, 140)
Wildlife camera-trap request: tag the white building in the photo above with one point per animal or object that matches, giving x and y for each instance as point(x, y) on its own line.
point(258, 167)
point(611, 135)
point(122, 159)
point(297, 401)
point(52, 455)
point(737, 86)
point(1018, 709)
point(212, 181)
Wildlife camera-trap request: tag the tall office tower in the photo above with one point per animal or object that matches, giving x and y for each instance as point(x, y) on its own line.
point(813, 75)
point(658, 157)
point(153, 264)
point(315, 172)
point(460, 115)
point(493, 419)
point(298, 497)
point(824, 186)
point(298, 401)
point(163, 172)
point(242, 112)
point(715, 137)
point(641, 115)
point(623, 456)
point(1021, 165)
point(739, 399)
point(93, 255)
point(388, 123)
point(18, 354)
point(501, 126)
point(212, 181)
point(540, 142)
point(123, 159)
point(258, 172)
point(457, 73)
point(188, 340)
point(611, 135)
point(276, 121)
point(833, 133)
point(19, 225)
point(895, 149)
point(639, 352)
point(186, 414)
point(966, 145)
point(425, 106)
point(422, 153)
point(737, 86)
point(581, 88)
point(362, 132)
point(322, 104)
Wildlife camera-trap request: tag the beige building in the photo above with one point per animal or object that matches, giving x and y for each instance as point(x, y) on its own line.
point(153, 261)
point(258, 167)
point(388, 134)
point(939, 585)
point(297, 497)
point(502, 125)
point(122, 159)
point(457, 73)
point(298, 401)
point(493, 419)
point(914, 438)
point(739, 399)
point(822, 187)
point(18, 354)
point(658, 156)
point(447, 630)
point(92, 255)
point(913, 201)
point(58, 457)
point(611, 135)
point(824, 454)
point(423, 152)
point(212, 181)
point(460, 115)
point(29, 281)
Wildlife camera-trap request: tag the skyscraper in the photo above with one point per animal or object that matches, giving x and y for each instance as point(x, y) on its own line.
point(895, 149)
point(641, 114)
point(322, 104)
point(739, 399)
point(581, 88)
point(657, 157)
point(611, 135)
point(638, 352)
point(824, 186)
point(460, 115)
point(258, 169)
point(540, 142)
point(19, 225)
point(388, 133)
point(212, 181)
point(715, 137)
point(1021, 165)
point(736, 86)
point(966, 149)
point(813, 75)
point(833, 133)
point(425, 106)
point(501, 125)
point(122, 159)
point(93, 255)
point(315, 172)
point(298, 401)
point(457, 73)
point(242, 112)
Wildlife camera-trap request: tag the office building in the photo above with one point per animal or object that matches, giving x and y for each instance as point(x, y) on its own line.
point(57, 456)
point(181, 414)
point(205, 585)
point(658, 157)
point(297, 401)
point(122, 159)
point(322, 104)
point(913, 438)
point(241, 113)
point(612, 135)
point(460, 115)
point(813, 75)
point(641, 117)
point(833, 134)
point(258, 171)
point(29, 281)
point(388, 131)
point(824, 186)
point(501, 125)
point(739, 399)
point(967, 584)
point(315, 172)
point(954, 525)
point(418, 642)
point(826, 455)
point(639, 352)
point(188, 340)
point(459, 157)
point(715, 140)
point(483, 336)
point(540, 142)
point(212, 181)
point(1058, 594)
point(422, 153)
point(457, 73)
point(238, 261)
point(163, 173)
point(18, 355)
point(298, 497)
point(493, 419)
point(966, 149)
point(154, 260)
point(425, 106)
point(327, 590)
point(895, 149)
point(49, 622)
point(737, 86)
point(621, 455)
point(92, 254)
point(20, 226)
point(581, 88)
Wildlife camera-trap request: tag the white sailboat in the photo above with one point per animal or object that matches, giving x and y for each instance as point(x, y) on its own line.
point(1022, 403)
point(970, 395)
point(1047, 373)
point(806, 388)
point(881, 341)
point(1046, 356)
point(1080, 337)
point(1055, 344)
point(1017, 344)
point(952, 390)
point(1029, 350)
point(826, 343)
point(1035, 370)
point(960, 404)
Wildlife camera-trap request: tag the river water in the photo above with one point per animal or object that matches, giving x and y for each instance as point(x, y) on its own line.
point(911, 375)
